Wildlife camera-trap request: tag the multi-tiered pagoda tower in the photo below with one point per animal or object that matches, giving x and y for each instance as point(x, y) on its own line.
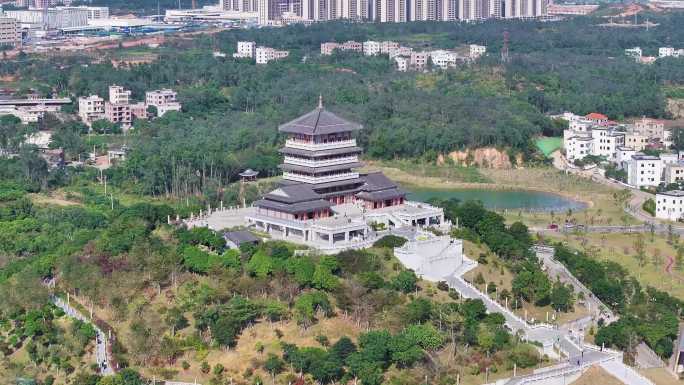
point(322, 198)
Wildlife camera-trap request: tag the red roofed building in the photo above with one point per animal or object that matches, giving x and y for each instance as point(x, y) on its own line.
point(597, 118)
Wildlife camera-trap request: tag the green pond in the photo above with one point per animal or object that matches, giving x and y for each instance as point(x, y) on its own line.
point(501, 199)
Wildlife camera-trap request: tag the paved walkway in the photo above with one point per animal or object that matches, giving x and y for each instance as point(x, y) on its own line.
point(578, 355)
point(101, 338)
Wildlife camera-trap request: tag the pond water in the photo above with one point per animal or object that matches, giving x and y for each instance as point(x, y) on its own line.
point(501, 199)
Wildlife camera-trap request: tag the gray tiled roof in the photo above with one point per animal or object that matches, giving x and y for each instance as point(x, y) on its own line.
point(382, 195)
point(241, 236)
point(376, 181)
point(299, 207)
point(292, 193)
point(318, 122)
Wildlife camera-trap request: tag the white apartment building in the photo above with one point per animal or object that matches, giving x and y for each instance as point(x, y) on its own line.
point(371, 48)
point(91, 108)
point(400, 51)
point(605, 142)
point(443, 59)
point(475, 51)
point(119, 95)
point(670, 52)
point(164, 100)
point(245, 49)
point(27, 115)
point(94, 13)
point(670, 205)
point(402, 63)
point(644, 171)
point(624, 154)
point(635, 52)
point(577, 147)
point(10, 32)
point(267, 54)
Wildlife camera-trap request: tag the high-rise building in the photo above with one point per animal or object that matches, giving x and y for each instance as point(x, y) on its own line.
point(10, 32)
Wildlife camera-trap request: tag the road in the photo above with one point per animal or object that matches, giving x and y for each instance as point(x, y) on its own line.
point(101, 339)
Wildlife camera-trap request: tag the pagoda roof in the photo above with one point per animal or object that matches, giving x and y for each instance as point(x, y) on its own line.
point(318, 122)
point(376, 181)
point(319, 153)
point(382, 195)
point(315, 170)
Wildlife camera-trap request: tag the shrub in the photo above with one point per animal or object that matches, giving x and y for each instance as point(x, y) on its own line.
point(390, 241)
point(649, 206)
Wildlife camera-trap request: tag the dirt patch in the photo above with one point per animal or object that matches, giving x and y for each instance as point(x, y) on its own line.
point(676, 108)
point(596, 375)
point(486, 157)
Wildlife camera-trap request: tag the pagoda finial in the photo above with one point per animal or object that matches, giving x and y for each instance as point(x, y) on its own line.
point(320, 100)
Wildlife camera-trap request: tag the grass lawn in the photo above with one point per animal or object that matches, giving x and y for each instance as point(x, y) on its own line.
point(548, 145)
point(660, 376)
point(620, 248)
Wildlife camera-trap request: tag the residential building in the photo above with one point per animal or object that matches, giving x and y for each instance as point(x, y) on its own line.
point(644, 170)
point(25, 114)
point(245, 49)
point(138, 110)
point(670, 52)
point(400, 51)
point(605, 142)
point(329, 47)
point(577, 147)
point(475, 51)
point(119, 114)
point(402, 63)
point(119, 95)
point(419, 60)
point(371, 48)
point(651, 128)
point(93, 13)
point(91, 108)
point(636, 141)
point(597, 119)
point(624, 154)
point(267, 54)
point(10, 32)
point(670, 205)
point(674, 173)
point(443, 59)
point(164, 100)
point(635, 52)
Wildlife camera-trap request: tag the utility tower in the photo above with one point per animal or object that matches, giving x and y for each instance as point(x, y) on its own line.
point(504, 49)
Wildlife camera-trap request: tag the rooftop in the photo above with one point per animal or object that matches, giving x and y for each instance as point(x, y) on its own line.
point(673, 193)
point(241, 236)
point(319, 122)
point(596, 116)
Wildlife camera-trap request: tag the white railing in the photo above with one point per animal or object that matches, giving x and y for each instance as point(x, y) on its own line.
point(319, 179)
point(320, 163)
point(302, 145)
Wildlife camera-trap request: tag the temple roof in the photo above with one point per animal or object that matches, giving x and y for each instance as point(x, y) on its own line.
point(320, 153)
point(376, 181)
point(298, 207)
point(292, 193)
point(318, 122)
point(317, 170)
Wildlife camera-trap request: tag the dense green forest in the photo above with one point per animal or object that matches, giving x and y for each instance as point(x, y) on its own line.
point(232, 107)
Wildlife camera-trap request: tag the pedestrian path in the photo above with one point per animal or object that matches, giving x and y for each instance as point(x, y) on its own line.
point(103, 363)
